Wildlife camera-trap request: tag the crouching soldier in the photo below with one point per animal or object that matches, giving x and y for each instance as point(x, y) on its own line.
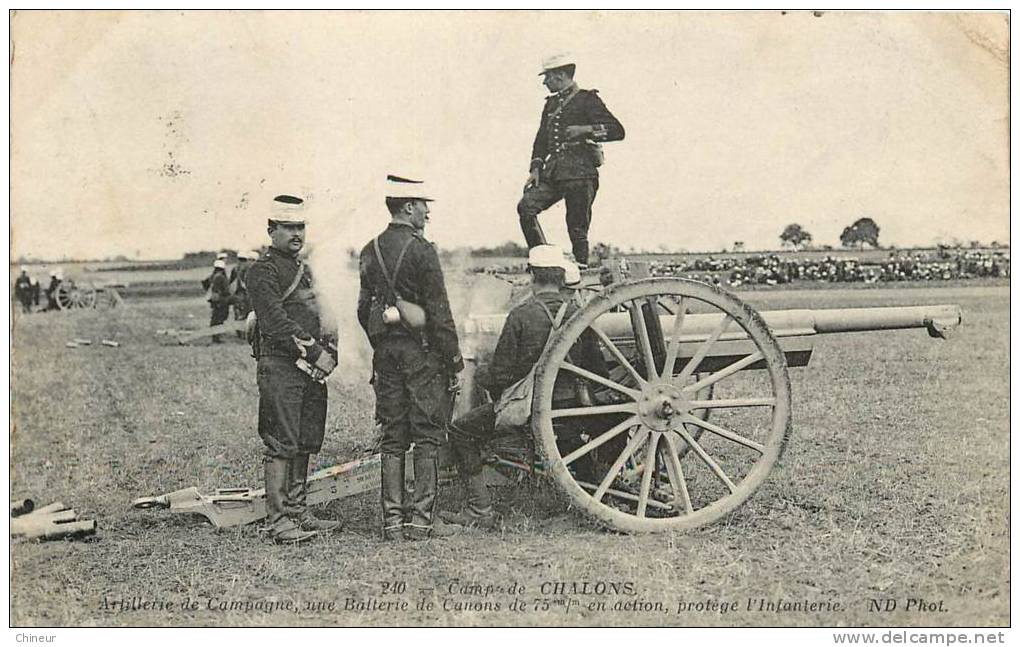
point(294, 357)
point(520, 345)
point(404, 310)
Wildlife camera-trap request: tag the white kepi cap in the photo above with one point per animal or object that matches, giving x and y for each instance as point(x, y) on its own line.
point(557, 61)
point(287, 210)
point(250, 255)
point(402, 187)
point(547, 256)
point(220, 263)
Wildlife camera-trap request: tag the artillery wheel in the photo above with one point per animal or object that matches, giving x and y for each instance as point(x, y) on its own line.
point(663, 476)
point(70, 296)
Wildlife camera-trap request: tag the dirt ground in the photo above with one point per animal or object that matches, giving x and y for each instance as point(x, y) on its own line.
point(894, 487)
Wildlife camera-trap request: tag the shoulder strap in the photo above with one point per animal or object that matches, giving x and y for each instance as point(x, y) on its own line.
point(558, 319)
point(297, 279)
point(391, 280)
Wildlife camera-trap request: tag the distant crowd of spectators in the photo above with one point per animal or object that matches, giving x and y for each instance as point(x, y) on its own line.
point(771, 269)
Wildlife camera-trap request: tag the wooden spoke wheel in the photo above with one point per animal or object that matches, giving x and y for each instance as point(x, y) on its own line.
point(639, 453)
point(70, 296)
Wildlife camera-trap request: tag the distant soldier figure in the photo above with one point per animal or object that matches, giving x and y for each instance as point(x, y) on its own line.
point(239, 286)
point(51, 290)
point(218, 297)
point(403, 309)
point(566, 155)
point(23, 290)
point(292, 399)
point(36, 291)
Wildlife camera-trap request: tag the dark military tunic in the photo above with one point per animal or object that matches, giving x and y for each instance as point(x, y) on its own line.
point(568, 168)
point(292, 406)
point(410, 368)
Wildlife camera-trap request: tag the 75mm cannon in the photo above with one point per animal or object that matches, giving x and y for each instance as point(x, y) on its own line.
point(681, 423)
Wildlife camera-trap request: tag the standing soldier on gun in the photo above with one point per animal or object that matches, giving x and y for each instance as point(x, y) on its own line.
point(566, 155)
point(404, 310)
point(294, 357)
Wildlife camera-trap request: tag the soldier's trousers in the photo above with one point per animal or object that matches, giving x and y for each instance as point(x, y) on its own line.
point(412, 402)
point(292, 409)
point(468, 433)
point(220, 312)
point(578, 196)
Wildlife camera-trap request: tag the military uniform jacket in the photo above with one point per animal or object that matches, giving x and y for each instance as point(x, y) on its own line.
point(281, 320)
point(419, 280)
point(561, 158)
point(523, 339)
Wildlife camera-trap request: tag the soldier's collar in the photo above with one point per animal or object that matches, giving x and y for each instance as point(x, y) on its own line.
point(401, 223)
point(566, 92)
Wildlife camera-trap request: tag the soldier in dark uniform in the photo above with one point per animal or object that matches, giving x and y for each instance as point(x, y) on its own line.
point(23, 290)
point(51, 290)
point(566, 156)
point(219, 297)
point(404, 310)
point(239, 285)
point(521, 343)
point(292, 402)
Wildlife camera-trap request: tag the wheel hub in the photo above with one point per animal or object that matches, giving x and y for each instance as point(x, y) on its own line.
point(661, 405)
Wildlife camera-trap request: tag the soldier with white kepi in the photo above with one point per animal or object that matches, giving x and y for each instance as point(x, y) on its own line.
point(566, 155)
point(295, 354)
point(404, 310)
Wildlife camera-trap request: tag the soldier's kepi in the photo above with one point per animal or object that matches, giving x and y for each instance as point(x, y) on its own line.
point(295, 354)
point(404, 310)
point(566, 155)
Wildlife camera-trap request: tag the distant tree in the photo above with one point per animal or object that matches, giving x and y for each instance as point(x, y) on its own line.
point(795, 236)
point(738, 245)
point(863, 232)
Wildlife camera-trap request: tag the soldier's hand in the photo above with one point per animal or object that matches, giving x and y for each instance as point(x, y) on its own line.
point(455, 384)
point(325, 364)
point(577, 132)
point(532, 180)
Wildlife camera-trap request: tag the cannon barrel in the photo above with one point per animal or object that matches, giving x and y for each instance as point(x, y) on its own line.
point(938, 320)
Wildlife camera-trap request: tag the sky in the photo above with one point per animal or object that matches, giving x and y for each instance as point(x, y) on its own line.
point(151, 134)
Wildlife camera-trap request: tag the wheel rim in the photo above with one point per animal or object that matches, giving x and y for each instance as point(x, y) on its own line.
point(671, 467)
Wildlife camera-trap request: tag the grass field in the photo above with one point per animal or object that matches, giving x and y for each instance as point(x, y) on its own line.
point(894, 486)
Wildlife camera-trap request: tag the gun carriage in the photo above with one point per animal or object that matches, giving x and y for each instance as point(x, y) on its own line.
point(685, 420)
point(74, 295)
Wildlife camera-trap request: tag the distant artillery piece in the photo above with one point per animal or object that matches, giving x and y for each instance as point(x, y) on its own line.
point(71, 295)
point(694, 413)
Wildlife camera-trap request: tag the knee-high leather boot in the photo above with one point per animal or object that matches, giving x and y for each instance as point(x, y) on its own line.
point(298, 497)
point(282, 528)
point(478, 511)
point(392, 496)
point(426, 489)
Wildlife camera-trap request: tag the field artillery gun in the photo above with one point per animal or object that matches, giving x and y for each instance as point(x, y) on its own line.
point(73, 295)
point(685, 420)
